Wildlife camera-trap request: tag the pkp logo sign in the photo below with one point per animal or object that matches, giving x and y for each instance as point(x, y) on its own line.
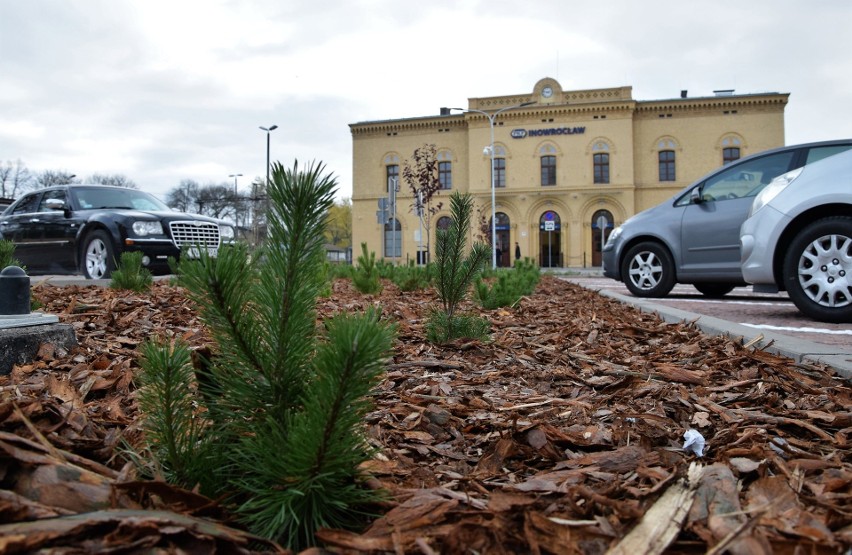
point(519, 133)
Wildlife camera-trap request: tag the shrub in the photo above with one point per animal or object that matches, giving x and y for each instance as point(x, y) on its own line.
point(509, 285)
point(366, 274)
point(281, 434)
point(409, 277)
point(130, 274)
point(7, 254)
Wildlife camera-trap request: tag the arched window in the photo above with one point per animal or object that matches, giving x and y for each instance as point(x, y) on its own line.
point(445, 170)
point(548, 165)
point(730, 154)
point(731, 149)
point(443, 223)
point(600, 162)
point(499, 166)
point(601, 167)
point(666, 159)
point(667, 165)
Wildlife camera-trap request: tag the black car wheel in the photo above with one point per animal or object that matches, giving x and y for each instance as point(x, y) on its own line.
point(714, 290)
point(818, 270)
point(98, 258)
point(648, 270)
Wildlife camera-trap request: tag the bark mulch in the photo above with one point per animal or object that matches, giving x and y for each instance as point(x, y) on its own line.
point(564, 434)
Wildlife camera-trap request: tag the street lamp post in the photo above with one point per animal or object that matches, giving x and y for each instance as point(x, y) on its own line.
point(235, 176)
point(491, 117)
point(268, 131)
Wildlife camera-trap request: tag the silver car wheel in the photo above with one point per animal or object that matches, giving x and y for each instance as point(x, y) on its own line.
point(97, 258)
point(824, 271)
point(646, 270)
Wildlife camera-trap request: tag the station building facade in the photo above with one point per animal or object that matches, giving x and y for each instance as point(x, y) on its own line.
point(569, 166)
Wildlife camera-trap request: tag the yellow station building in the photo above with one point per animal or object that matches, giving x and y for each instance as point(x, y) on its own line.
point(568, 165)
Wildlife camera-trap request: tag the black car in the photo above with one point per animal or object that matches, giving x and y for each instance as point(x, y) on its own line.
point(74, 229)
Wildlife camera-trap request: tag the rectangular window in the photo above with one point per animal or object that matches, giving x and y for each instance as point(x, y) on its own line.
point(445, 175)
point(548, 170)
point(393, 174)
point(499, 172)
point(730, 154)
point(601, 166)
point(667, 165)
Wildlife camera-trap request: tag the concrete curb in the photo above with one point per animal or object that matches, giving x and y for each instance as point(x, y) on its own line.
point(796, 349)
point(19, 345)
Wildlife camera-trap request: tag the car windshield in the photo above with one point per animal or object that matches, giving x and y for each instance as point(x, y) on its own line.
point(95, 198)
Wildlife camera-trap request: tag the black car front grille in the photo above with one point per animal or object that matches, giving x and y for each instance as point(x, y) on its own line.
point(193, 233)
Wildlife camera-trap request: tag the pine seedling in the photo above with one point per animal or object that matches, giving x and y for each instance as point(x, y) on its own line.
point(7, 254)
point(283, 406)
point(366, 277)
point(455, 271)
point(130, 274)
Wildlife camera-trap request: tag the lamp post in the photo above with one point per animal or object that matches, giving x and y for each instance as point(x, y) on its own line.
point(268, 131)
point(491, 117)
point(235, 176)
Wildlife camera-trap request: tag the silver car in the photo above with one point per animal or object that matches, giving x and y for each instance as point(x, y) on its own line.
point(798, 238)
point(695, 237)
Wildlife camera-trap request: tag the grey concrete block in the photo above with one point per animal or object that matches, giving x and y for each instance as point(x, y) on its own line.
point(19, 345)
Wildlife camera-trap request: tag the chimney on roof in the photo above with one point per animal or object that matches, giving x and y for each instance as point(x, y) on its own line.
point(683, 93)
point(445, 111)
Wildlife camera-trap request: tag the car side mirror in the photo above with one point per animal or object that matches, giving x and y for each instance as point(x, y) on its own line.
point(55, 204)
point(695, 196)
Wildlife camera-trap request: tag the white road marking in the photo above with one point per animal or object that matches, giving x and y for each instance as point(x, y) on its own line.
point(710, 301)
point(791, 328)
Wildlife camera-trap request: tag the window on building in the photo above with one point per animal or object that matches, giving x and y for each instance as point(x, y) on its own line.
point(443, 223)
point(548, 170)
point(393, 239)
point(730, 154)
point(499, 172)
point(667, 165)
point(601, 167)
point(445, 175)
point(392, 176)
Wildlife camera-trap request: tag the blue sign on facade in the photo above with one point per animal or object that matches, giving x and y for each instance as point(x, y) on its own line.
point(523, 133)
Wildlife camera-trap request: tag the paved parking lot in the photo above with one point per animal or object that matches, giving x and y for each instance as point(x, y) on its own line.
point(762, 312)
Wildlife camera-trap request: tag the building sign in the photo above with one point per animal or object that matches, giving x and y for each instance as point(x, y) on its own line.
point(523, 133)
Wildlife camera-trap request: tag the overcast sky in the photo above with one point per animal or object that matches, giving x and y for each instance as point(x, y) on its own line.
point(162, 91)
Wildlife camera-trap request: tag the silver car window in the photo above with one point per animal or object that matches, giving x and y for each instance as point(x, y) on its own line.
point(818, 153)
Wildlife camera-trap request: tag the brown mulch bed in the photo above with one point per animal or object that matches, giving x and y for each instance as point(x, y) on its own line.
point(565, 434)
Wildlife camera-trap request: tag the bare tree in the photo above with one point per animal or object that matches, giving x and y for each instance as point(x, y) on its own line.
point(183, 196)
point(216, 201)
point(14, 179)
point(421, 175)
point(49, 178)
point(116, 180)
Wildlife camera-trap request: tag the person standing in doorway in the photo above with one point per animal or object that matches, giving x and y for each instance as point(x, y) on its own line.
point(517, 251)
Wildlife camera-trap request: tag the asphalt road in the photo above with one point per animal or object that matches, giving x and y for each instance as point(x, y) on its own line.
point(762, 312)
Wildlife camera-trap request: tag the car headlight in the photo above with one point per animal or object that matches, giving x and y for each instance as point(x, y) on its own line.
point(613, 235)
point(771, 191)
point(143, 228)
point(226, 232)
